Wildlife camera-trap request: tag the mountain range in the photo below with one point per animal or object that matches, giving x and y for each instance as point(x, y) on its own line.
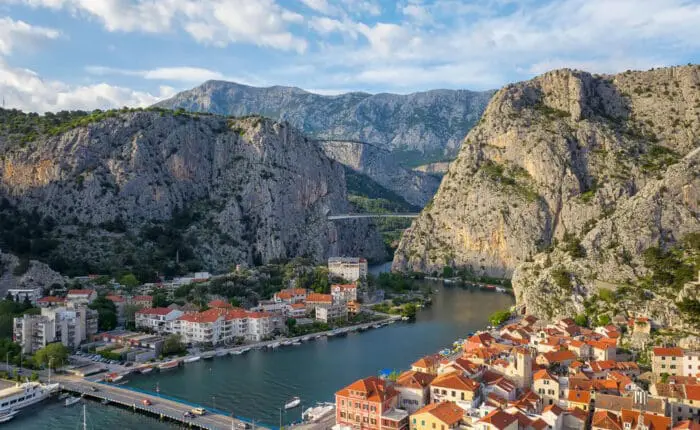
point(395, 131)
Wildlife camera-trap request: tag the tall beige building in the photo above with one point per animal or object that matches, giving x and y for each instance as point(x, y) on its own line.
point(349, 268)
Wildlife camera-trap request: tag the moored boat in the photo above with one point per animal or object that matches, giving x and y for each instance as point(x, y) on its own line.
point(239, 352)
point(208, 355)
point(293, 403)
point(8, 415)
point(191, 359)
point(71, 401)
point(221, 352)
point(113, 377)
point(145, 370)
point(169, 365)
point(22, 395)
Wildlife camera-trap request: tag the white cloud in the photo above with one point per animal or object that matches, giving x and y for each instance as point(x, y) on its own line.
point(417, 13)
point(14, 34)
point(26, 90)
point(215, 22)
point(180, 74)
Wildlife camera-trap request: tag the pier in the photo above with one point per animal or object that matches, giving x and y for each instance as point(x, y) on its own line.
point(162, 407)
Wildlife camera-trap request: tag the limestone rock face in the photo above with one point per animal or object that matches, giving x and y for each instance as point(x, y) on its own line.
point(421, 125)
point(566, 155)
point(417, 188)
point(253, 189)
point(36, 275)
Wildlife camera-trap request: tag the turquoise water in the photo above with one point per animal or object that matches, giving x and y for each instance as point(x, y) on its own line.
point(257, 385)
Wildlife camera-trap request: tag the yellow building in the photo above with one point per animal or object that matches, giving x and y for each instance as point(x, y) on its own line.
point(437, 416)
point(457, 388)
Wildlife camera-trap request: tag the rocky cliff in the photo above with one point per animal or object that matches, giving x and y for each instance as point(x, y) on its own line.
point(155, 189)
point(428, 122)
point(417, 188)
point(401, 129)
point(559, 162)
point(16, 273)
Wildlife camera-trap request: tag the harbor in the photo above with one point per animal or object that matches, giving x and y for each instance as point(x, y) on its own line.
point(253, 383)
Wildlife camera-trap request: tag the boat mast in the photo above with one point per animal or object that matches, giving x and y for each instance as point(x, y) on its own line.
point(84, 418)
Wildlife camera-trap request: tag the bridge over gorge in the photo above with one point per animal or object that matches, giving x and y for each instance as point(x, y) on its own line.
point(367, 215)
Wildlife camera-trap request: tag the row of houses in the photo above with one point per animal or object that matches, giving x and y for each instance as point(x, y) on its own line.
point(528, 375)
point(301, 303)
point(222, 323)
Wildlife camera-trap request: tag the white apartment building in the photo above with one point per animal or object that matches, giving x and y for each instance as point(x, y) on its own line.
point(160, 320)
point(343, 293)
point(348, 268)
point(68, 325)
point(33, 294)
point(332, 313)
point(221, 325)
point(290, 295)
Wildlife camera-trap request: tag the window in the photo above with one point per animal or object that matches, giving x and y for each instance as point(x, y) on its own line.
point(365, 406)
point(462, 395)
point(434, 426)
point(373, 421)
point(342, 402)
point(365, 419)
point(373, 408)
point(453, 394)
point(422, 423)
point(342, 415)
point(414, 420)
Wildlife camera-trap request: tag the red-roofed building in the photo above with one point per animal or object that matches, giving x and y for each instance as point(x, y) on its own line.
point(498, 420)
point(291, 295)
point(478, 341)
point(457, 388)
point(443, 416)
point(220, 304)
point(562, 358)
point(160, 320)
point(635, 419)
point(603, 349)
point(428, 364)
point(667, 360)
point(414, 390)
point(314, 300)
point(51, 301)
point(81, 297)
point(141, 301)
point(343, 293)
point(579, 399)
point(606, 420)
point(366, 403)
point(546, 385)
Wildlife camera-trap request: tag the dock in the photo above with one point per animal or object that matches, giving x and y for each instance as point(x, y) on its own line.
point(162, 407)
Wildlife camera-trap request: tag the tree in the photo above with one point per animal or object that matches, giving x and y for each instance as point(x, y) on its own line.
point(448, 272)
point(129, 281)
point(56, 353)
point(603, 320)
point(9, 296)
point(173, 344)
point(160, 300)
point(581, 320)
point(130, 313)
point(107, 312)
point(499, 317)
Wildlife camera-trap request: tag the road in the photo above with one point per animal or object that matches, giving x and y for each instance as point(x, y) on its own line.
point(159, 405)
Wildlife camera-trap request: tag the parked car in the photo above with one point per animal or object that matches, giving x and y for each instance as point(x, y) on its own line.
point(198, 411)
point(94, 388)
point(188, 414)
point(147, 402)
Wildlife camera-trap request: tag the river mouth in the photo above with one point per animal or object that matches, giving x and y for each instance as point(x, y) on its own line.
point(256, 385)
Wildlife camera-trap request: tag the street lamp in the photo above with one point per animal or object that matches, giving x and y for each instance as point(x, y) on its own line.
point(213, 399)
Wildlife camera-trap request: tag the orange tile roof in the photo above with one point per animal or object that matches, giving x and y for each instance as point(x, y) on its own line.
point(484, 339)
point(606, 420)
point(301, 305)
point(142, 298)
point(650, 421)
point(154, 311)
point(602, 343)
point(687, 425)
point(559, 356)
point(447, 412)
point(543, 374)
point(692, 392)
point(115, 298)
point(455, 381)
point(319, 298)
point(556, 410)
point(578, 413)
point(498, 419)
point(51, 299)
point(375, 389)
point(602, 365)
point(427, 361)
point(80, 292)
point(579, 396)
point(413, 379)
point(668, 352)
point(206, 317)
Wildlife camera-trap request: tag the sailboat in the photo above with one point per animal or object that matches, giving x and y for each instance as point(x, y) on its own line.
point(293, 403)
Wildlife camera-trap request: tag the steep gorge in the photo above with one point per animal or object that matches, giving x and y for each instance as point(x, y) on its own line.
point(559, 162)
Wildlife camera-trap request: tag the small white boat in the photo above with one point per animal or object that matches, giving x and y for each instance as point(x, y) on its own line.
point(221, 352)
point(192, 359)
point(208, 355)
point(239, 352)
point(405, 318)
point(274, 345)
point(71, 401)
point(169, 365)
point(293, 403)
point(63, 396)
point(244, 350)
point(296, 343)
point(287, 342)
point(146, 370)
point(7, 416)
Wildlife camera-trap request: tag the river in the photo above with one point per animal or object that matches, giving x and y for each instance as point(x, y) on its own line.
point(257, 384)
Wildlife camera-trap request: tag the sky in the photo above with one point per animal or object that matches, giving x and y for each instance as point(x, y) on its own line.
point(89, 54)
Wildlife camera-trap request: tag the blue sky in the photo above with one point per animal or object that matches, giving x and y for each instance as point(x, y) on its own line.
point(86, 54)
